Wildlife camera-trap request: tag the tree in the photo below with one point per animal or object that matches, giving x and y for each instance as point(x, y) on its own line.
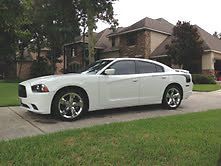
point(55, 23)
point(186, 48)
point(40, 67)
point(11, 12)
point(24, 33)
point(89, 12)
point(14, 34)
point(218, 35)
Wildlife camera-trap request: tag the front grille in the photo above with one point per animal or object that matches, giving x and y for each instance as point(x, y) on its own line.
point(22, 91)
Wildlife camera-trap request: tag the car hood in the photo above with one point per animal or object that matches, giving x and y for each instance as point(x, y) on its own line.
point(53, 78)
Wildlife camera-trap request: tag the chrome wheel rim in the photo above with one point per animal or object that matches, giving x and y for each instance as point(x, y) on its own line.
point(173, 97)
point(70, 105)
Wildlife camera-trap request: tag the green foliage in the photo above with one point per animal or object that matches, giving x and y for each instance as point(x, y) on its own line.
point(55, 22)
point(217, 35)
point(34, 24)
point(203, 79)
point(186, 47)
point(10, 15)
point(90, 12)
point(14, 32)
point(41, 67)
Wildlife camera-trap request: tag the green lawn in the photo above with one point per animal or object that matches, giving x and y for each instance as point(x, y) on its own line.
point(8, 94)
point(206, 87)
point(191, 139)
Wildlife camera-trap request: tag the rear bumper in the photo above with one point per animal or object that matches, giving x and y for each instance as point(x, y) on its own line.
point(188, 91)
point(37, 102)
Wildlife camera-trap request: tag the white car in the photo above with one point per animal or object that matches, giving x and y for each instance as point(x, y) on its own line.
point(108, 83)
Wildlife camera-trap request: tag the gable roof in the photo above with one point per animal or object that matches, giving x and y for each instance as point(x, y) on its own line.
point(159, 25)
point(210, 42)
point(102, 40)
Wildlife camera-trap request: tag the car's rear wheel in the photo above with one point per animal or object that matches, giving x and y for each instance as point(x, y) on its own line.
point(69, 104)
point(172, 97)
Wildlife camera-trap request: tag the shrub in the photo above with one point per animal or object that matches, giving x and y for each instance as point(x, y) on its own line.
point(40, 67)
point(203, 79)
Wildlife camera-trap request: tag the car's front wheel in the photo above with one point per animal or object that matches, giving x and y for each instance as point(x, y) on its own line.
point(69, 104)
point(172, 97)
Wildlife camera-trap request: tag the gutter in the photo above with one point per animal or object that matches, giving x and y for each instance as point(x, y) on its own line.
point(159, 56)
point(219, 52)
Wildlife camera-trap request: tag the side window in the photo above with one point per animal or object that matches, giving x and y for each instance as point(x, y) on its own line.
point(124, 67)
point(146, 67)
point(159, 68)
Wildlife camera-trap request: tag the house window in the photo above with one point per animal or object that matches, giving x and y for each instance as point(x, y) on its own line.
point(113, 42)
point(131, 39)
point(73, 53)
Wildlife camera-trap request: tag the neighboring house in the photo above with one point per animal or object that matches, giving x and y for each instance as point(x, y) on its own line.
point(146, 38)
point(21, 68)
point(76, 53)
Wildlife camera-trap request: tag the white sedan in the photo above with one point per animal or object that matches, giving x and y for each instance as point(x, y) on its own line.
point(108, 83)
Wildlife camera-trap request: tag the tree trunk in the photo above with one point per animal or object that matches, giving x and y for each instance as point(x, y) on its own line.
point(84, 55)
point(91, 38)
point(21, 62)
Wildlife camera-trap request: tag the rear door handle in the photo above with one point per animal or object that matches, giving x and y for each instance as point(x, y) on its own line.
point(135, 80)
point(163, 77)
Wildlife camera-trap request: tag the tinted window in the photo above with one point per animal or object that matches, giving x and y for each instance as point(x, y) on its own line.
point(96, 66)
point(146, 67)
point(159, 68)
point(123, 67)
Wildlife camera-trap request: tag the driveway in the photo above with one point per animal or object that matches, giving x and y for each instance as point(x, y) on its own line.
point(16, 122)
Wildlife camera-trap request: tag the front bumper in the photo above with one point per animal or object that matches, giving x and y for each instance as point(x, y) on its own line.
point(36, 102)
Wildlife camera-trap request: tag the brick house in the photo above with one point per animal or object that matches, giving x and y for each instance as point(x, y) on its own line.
point(21, 69)
point(146, 38)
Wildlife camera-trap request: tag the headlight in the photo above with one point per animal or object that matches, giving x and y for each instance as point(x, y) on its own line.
point(39, 88)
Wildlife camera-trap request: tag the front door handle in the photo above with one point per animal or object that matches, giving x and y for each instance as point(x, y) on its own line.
point(135, 80)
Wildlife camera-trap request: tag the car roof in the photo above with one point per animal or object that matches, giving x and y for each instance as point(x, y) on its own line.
point(139, 59)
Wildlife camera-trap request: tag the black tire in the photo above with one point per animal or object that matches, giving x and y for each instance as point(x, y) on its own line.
point(172, 97)
point(58, 108)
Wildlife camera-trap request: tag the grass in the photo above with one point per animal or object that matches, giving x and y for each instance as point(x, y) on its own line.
point(191, 139)
point(8, 93)
point(206, 87)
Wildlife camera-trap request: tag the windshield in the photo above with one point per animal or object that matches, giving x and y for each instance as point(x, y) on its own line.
point(96, 66)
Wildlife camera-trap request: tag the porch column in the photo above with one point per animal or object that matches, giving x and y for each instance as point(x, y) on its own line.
point(208, 63)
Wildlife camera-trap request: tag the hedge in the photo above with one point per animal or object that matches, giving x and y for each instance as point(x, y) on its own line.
point(203, 79)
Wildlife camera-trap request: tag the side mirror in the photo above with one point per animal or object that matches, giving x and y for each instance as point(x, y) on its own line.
point(109, 71)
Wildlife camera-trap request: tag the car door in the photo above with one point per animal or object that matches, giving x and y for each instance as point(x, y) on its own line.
point(153, 82)
point(122, 88)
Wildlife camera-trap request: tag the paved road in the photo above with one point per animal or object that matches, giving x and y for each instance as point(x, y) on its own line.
point(16, 122)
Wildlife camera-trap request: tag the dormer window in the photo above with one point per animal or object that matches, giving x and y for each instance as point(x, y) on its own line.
point(113, 41)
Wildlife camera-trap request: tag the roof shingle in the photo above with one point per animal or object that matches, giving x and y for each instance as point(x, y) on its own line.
point(159, 25)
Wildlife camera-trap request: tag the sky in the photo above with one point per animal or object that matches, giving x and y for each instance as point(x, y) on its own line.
point(204, 13)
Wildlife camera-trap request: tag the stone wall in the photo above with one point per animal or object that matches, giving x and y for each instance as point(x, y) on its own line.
point(142, 46)
point(24, 70)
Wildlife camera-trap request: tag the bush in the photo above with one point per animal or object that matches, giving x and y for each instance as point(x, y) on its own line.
point(40, 67)
point(203, 79)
